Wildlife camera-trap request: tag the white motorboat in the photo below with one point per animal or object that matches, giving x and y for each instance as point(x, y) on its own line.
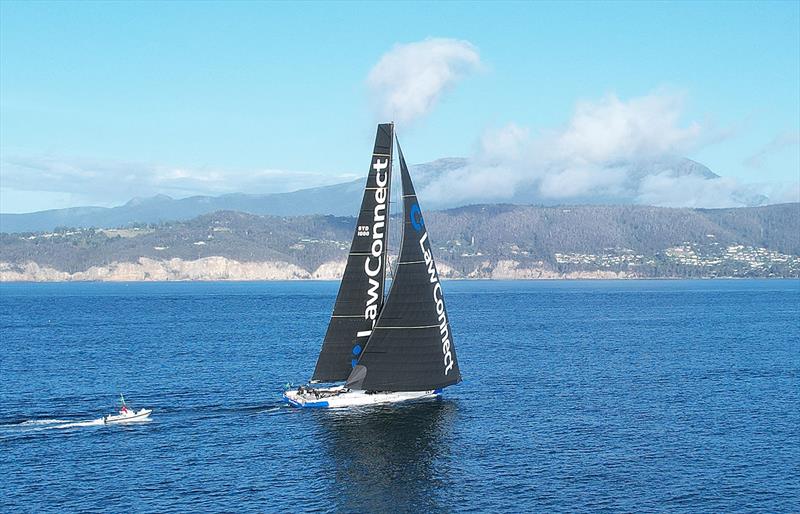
point(126, 415)
point(377, 349)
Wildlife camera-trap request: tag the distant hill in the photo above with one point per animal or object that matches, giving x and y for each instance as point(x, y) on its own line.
point(338, 200)
point(485, 241)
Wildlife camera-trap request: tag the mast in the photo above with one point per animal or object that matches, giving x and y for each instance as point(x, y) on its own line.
point(361, 292)
point(411, 346)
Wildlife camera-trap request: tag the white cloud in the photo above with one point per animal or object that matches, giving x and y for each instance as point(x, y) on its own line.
point(574, 182)
point(690, 191)
point(610, 150)
point(409, 79)
point(493, 172)
point(612, 130)
point(105, 182)
point(669, 191)
point(783, 192)
point(505, 144)
point(781, 141)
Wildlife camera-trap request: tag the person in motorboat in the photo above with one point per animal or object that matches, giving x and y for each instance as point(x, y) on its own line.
point(123, 410)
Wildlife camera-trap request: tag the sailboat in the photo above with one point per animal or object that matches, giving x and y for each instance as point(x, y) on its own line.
point(384, 349)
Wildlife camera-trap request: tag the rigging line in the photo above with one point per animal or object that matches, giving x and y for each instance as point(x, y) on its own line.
point(390, 270)
point(387, 214)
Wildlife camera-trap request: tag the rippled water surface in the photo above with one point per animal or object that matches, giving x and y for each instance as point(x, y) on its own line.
point(677, 396)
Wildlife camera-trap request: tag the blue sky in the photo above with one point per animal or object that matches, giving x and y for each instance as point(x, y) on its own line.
point(220, 90)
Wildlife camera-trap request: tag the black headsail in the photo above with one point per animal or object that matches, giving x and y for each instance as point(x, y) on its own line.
point(360, 298)
point(411, 348)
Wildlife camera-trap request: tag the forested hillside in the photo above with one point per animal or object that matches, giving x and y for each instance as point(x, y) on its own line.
point(473, 241)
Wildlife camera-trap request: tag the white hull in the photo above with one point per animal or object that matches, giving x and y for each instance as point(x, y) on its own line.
point(339, 397)
point(131, 417)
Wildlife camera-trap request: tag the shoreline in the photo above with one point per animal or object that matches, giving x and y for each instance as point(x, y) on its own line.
point(222, 269)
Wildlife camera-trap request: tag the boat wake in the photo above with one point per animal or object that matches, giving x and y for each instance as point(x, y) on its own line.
point(16, 427)
point(77, 424)
point(34, 422)
point(36, 425)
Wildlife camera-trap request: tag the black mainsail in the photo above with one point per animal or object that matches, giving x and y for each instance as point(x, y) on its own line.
point(410, 348)
point(360, 299)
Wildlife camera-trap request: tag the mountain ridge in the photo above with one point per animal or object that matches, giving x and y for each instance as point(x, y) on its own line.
point(338, 199)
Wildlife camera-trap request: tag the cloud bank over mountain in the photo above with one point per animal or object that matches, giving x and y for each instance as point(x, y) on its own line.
point(611, 151)
point(118, 181)
point(614, 149)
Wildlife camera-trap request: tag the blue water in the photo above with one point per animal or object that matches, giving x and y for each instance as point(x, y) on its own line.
point(616, 396)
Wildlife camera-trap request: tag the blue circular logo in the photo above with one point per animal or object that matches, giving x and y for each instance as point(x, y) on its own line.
point(416, 218)
point(357, 349)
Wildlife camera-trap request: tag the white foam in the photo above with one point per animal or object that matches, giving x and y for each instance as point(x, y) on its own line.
point(88, 423)
point(46, 424)
point(43, 421)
